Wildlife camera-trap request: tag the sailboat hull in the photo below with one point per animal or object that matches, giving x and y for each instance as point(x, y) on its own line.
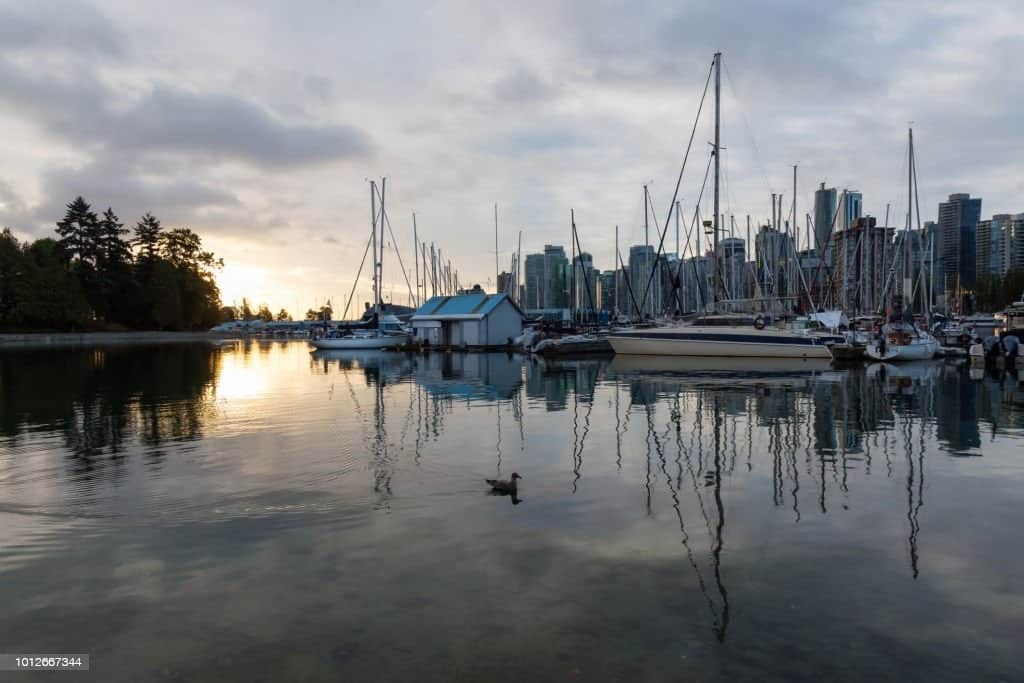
point(925, 350)
point(381, 342)
point(719, 342)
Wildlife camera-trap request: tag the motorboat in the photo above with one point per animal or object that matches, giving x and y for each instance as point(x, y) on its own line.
point(721, 341)
point(1013, 320)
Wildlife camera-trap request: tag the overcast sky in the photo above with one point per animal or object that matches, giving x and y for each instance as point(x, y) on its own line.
point(258, 123)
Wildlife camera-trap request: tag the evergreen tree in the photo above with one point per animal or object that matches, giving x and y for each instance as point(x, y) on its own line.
point(264, 313)
point(147, 237)
point(283, 315)
point(79, 232)
point(113, 247)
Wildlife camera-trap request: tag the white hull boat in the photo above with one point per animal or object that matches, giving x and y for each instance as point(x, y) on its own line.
point(719, 342)
point(904, 343)
point(383, 341)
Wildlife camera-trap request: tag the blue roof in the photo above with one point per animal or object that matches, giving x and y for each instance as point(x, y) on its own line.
point(462, 304)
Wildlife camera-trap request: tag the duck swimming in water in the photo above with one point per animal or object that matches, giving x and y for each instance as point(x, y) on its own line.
point(509, 485)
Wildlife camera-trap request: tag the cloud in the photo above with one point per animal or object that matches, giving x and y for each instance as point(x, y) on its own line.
point(14, 212)
point(83, 110)
point(522, 86)
point(71, 27)
point(171, 198)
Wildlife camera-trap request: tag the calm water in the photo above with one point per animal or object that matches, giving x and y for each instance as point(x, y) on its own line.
point(258, 512)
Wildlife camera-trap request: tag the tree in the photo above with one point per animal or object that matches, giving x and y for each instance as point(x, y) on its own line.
point(79, 232)
point(163, 296)
point(13, 280)
point(147, 237)
point(55, 300)
point(283, 315)
point(245, 312)
point(113, 247)
point(228, 314)
point(264, 313)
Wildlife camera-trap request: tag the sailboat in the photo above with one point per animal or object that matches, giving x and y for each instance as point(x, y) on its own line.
point(389, 331)
point(720, 336)
point(900, 339)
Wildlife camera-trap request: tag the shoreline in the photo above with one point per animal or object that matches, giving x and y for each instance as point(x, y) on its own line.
point(30, 340)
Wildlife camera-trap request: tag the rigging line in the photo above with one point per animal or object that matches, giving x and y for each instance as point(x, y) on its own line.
point(689, 230)
point(682, 169)
point(356, 281)
point(749, 131)
point(394, 244)
point(693, 262)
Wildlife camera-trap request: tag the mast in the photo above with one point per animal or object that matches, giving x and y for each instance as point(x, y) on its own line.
point(373, 220)
point(718, 128)
point(416, 256)
point(647, 241)
point(519, 270)
point(496, 267)
point(793, 271)
point(383, 243)
point(907, 276)
point(618, 271)
point(574, 265)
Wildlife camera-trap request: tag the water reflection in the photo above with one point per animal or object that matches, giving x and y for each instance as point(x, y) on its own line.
point(105, 402)
point(800, 418)
point(713, 500)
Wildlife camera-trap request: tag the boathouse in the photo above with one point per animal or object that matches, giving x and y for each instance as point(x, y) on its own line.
point(473, 320)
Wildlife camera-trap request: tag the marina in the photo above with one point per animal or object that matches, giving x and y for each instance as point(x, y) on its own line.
point(684, 343)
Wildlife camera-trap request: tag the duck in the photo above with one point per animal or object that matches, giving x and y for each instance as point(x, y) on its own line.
point(509, 485)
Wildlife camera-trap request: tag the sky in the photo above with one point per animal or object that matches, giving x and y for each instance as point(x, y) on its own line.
point(258, 124)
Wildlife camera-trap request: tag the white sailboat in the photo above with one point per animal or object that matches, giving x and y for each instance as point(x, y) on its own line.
point(716, 340)
point(900, 339)
point(389, 331)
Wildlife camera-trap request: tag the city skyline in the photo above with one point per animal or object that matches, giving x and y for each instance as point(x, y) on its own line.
point(257, 127)
point(954, 252)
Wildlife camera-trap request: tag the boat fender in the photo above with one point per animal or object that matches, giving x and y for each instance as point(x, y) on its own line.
point(759, 322)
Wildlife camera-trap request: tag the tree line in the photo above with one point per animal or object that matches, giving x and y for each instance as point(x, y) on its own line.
point(996, 292)
point(99, 275)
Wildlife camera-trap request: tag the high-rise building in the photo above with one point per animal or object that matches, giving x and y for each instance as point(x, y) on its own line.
point(774, 250)
point(958, 223)
point(824, 212)
point(623, 288)
point(556, 277)
point(995, 245)
point(585, 283)
point(641, 265)
point(859, 257)
point(608, 287)
point(1013, 243)
point(694, 276)
point(850, 202)
point(732, 255)
point(534, 285)
point(505, 284)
